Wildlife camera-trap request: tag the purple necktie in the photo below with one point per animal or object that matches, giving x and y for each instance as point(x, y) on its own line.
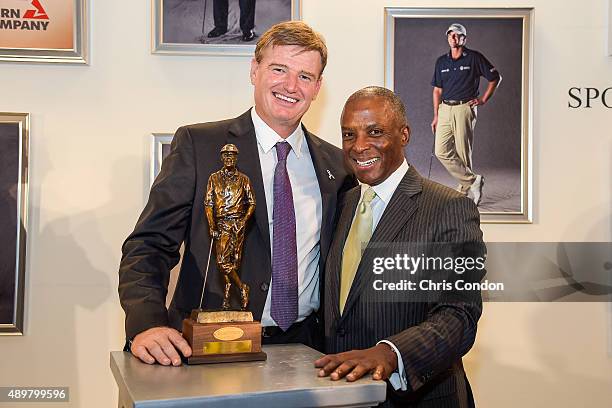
point(284, 308)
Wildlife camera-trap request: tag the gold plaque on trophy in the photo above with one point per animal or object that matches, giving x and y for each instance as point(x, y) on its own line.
point(223, 341)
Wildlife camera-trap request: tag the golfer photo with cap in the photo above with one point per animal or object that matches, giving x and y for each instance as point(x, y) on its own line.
point(456, 97)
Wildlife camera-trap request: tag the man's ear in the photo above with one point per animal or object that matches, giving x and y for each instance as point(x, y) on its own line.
point(317, 87)
point(405, 135)
point(254, 67)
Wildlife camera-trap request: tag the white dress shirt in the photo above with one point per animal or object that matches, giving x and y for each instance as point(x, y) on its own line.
point(308, 211)
point(384, 191)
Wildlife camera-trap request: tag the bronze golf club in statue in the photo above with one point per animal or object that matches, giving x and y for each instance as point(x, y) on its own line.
point(226, 335)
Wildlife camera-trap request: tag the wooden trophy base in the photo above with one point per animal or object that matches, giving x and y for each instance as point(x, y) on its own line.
point(223, 336)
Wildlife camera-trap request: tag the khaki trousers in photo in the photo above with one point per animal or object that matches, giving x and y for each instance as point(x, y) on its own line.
point(454, 137)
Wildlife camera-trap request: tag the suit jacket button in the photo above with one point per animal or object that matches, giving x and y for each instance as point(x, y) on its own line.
point(341, 332)
point(264, 287)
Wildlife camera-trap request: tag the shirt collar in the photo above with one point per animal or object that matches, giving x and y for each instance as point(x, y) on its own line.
point(385, 190)
point(463, 54)
point(267, 137)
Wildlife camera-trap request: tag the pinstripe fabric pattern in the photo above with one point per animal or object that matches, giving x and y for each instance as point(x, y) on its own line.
point(431, 336)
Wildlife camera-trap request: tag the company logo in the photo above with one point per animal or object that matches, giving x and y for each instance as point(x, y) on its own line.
point(33, 19)
point(38, 13)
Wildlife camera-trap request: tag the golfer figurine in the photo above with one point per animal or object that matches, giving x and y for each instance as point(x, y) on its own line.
point(229, 203)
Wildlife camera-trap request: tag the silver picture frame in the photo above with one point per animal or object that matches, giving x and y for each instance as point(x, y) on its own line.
point(14, 151)
point(160, 145)
point(78, 53)
point(407, 22)
point(159, 46)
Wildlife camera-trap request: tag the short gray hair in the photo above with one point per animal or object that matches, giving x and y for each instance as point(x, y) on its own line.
point(395, 103)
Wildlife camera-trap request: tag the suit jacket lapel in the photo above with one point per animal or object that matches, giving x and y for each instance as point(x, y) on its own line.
point(242, 134)
point(400, 207)
point(332, 279)
point(398, 212)
point(321, 162)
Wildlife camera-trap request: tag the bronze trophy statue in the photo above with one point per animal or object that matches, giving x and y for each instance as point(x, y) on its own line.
point(226, 335)
point(229, 204)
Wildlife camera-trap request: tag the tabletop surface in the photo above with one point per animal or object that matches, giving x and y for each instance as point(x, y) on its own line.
point(287, 378)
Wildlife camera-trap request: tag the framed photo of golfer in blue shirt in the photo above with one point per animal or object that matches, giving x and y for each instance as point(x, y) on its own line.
point(464, 75)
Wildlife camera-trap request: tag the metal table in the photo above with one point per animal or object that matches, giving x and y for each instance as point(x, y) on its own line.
point(287, 379)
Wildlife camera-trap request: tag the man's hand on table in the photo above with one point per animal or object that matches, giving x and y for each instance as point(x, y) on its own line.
point(161, 344)
point(380, 360)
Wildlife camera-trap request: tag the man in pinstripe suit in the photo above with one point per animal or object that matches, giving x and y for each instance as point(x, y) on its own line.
point(415, 343)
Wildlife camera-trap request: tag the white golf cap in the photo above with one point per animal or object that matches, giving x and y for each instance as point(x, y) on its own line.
point(458, 28)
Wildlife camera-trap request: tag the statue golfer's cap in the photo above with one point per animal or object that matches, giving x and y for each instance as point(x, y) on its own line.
point(458, 28)
point(229, 148)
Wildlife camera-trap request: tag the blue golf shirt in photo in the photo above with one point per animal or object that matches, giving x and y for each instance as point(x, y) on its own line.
point(460, 78)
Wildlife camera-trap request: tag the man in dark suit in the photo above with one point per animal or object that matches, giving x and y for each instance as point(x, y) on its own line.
point(413, 338)
point(296, 179)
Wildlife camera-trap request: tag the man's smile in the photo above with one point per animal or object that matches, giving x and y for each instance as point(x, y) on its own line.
point(366, 163)
point(284, 97)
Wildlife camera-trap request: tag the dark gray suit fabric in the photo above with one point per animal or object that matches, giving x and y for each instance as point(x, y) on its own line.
point(431, 336)
point(175, 214)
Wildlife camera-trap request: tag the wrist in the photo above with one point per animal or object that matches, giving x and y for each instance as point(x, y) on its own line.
point(389, 354)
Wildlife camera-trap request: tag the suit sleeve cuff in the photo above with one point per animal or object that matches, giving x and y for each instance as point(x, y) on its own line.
point(144, 316)
point(398, 377)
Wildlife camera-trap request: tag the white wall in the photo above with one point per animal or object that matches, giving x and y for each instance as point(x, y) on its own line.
point(89, 158)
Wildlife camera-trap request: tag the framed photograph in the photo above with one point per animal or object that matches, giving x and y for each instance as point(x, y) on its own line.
point(495, 138)
point(14, 129)
point(160, 148)
point(43, 31)
point(216, 27)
